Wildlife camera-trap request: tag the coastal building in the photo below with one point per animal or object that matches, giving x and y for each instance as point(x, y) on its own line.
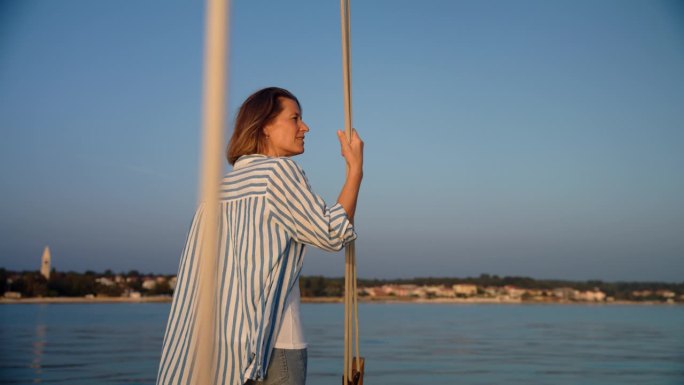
point(666, 294)
point(445, 292)
point(564, 293)
point(46, 262)
point(491, 291)
point(149, 284)
point(537, 294)
point(404, 290)
point(432, 290)
point(513, 292)
point(642, 293)
point(464, 290)
point(375, 291)
point(438, 291)
point(590, 296)
point(419, 292)
point(104, 281)
point(398, 290)
point(12, 295)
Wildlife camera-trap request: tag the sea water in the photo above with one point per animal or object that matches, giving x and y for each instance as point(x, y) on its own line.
point(403, 343)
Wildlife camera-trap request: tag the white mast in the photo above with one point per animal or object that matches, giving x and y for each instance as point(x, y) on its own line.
point(210, 175)
point(353, 366)
point(46, 262)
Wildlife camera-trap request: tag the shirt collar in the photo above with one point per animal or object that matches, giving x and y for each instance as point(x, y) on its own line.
point(246, 160)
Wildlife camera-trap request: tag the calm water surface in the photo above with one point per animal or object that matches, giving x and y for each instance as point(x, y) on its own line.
point(403, 343)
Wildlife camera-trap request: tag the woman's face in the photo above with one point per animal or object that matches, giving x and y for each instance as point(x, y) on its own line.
point(285, 134)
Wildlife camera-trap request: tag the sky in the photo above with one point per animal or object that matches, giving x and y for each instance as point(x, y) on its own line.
point(529, 138)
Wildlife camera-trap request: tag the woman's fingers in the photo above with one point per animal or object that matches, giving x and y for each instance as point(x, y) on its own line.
point(343, 141)
point(352, 151)
point(343, 136)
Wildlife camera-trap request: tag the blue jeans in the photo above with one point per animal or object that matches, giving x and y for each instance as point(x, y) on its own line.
point(287, 367)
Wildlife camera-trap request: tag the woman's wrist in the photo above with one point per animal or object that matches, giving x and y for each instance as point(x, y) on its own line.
point(355, 173)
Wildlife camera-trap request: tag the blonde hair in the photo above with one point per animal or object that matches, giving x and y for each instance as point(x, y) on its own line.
point(254, 114)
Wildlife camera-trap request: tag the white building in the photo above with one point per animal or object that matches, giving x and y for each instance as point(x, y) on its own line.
point(149, 284)
point(172, 283)
point(466, 290)
point(666, 293)
point(12, 294)
point(514, 292)
point(591, 296)
point(104, 281)
point(565, 293)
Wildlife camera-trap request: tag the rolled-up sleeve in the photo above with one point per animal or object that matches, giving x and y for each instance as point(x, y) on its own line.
point(303, 214)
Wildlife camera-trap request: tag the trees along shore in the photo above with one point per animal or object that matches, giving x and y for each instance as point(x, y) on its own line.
point(133, 284)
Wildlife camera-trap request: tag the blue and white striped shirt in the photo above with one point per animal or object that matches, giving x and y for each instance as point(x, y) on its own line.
point(268, 214)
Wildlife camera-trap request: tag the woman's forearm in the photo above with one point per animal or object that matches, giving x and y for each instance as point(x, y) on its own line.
point(350, 192)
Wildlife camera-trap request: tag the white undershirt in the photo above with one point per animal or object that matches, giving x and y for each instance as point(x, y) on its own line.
point(290, 335)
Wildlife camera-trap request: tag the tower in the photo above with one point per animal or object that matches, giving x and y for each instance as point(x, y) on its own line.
point(45, 264)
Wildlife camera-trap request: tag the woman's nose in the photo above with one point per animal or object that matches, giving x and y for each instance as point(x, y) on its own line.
point(304, 127)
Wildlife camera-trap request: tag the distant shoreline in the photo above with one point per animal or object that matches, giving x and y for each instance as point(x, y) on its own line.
point(58, 300)
point(390, 300)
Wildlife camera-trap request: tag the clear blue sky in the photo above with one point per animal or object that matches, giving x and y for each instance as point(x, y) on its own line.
point(536, 138)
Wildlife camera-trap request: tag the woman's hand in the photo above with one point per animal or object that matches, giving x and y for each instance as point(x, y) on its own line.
point(352, 151)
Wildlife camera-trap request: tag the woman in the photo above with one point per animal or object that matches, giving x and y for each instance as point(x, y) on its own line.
point(268, 214)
